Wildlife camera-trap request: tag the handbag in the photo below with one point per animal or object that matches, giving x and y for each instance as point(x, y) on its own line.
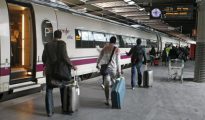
point(55, 83)
point(103, 69)
point(60, 69)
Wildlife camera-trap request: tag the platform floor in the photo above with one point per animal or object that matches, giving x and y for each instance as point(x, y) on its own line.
point(166, 100)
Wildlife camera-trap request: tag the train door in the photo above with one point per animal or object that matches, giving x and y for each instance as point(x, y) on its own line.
point(22, 43)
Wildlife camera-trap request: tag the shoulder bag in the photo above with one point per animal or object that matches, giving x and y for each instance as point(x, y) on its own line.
point(103, 69)
point(61, 70)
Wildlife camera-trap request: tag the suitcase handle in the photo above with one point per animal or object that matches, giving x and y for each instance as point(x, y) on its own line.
point(145, 67)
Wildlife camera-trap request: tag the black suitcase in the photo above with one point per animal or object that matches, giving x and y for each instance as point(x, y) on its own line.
point(147, 77)
point(71, 98)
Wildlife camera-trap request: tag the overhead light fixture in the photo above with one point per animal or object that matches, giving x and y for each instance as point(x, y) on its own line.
point(83, 10)
point(136, 25)
point(141, 9)
point(131, 3)
point(53, 0)
point(83, 0)
point(127, 0)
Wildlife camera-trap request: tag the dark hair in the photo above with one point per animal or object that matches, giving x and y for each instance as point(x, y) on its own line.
point(113, 39)
point(57, 34)
point(139, 41)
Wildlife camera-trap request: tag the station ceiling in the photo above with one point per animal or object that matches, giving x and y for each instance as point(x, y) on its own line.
point(137, 14)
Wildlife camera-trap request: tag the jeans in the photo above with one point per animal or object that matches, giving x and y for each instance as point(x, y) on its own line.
point(133, 76)
point(49, 99)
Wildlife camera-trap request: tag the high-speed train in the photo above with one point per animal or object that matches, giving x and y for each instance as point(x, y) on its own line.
point(25, 27)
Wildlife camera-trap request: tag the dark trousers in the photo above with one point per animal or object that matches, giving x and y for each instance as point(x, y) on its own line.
point(139, 74)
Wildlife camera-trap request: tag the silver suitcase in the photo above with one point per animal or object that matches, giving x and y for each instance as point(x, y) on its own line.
point(147, 78)
point(71, 98)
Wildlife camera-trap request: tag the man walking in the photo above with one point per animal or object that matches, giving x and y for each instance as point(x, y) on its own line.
point(137, 53)
point(112, 53)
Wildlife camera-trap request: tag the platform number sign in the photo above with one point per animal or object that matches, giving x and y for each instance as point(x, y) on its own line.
point(47, 31)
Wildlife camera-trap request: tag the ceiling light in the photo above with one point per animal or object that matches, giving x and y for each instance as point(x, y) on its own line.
point(141, 9)
point(136, 25)
point(83, 0)
point(127, 0)
point(53, 0)
point(83, 10)
point(131, 2)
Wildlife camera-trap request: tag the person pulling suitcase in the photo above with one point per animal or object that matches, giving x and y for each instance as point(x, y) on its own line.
point(137, 54)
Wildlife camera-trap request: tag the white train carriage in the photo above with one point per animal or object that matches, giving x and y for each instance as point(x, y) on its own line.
point(25, 28)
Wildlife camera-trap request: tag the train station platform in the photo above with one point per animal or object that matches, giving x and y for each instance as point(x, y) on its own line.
point(166, 100)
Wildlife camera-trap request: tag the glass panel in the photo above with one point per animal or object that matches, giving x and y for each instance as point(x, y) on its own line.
point(78, 37)
point(85, 36)
point(99, 37)
point(90, 36)
point(107, 37)
point(144, 42)
point(47, 31)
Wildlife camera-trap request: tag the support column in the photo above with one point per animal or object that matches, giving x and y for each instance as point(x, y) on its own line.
point(199, 75)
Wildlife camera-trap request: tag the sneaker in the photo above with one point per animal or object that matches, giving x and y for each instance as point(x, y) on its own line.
point(133, 88)
point(49, 114)
point(107, 103)
point(103, 87)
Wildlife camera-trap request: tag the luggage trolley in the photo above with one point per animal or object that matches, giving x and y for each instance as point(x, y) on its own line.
point(175, 70)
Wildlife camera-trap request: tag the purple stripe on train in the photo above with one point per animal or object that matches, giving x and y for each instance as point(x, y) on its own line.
point(4, 71)
point(39, 67)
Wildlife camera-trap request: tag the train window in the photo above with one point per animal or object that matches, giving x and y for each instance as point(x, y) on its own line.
point(78, 38)
point(151, 43)
point(90, 36)
point(126, 41)
point(47, 31)
point(119, 41)
point(144, 43)
point(133, 41)
point(99, 37)
point(107, 37)
point(90, 39)
point(87, 39)
point(85, 35)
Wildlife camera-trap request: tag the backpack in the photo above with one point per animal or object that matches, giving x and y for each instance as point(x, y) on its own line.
point(137, 55)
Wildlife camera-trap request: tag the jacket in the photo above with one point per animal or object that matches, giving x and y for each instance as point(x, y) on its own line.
point(137, 58)
point(49, 56)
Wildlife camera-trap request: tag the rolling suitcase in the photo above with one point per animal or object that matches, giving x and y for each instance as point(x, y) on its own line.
point(118, 93)
point(147, 77)
point(156, 61)
point(71, 97)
